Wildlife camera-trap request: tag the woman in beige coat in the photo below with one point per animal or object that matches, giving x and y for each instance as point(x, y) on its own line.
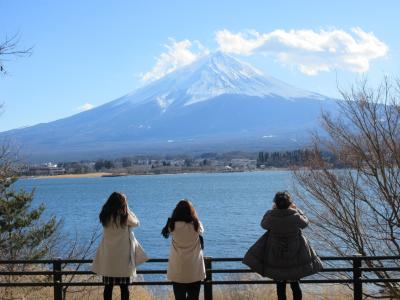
point(119, 252)
point(186, 267)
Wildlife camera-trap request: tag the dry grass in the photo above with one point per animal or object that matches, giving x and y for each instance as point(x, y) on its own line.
point(261, 292)
point(86, 175)
point(242, 292)
point(88, 293)
point(220, 292)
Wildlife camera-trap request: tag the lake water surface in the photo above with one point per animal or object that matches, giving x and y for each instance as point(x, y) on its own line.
point(230, 205)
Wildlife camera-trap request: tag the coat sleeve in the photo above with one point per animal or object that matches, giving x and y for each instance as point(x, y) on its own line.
point(303, 220)
point(133, 221)
point(266, 221)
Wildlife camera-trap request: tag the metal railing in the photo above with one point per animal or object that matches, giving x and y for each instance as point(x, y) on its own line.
point(353, 274)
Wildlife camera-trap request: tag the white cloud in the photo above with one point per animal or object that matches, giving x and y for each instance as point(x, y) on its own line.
point(309, 51)
point(238, 43)
point(86, 106)
point(178, 54)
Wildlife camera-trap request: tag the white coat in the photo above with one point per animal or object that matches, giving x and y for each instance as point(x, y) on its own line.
point(186, 262)
point(119, 252)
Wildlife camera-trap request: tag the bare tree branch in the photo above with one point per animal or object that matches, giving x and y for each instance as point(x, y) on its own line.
point(9, 48)
point(357, 210)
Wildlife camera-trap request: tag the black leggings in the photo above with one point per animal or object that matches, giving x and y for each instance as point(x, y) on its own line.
point(108, 289)
point(281, 290)
point(186, 291)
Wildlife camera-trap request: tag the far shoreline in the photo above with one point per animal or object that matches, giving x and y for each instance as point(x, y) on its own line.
point(86, 175)
point(106, 174)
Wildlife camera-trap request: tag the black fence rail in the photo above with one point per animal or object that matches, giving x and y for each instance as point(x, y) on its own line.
point(351, 270)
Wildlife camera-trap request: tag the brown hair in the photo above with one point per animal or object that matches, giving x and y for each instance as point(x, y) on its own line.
point(184, 211)
point(115, 208)
point(282, 200)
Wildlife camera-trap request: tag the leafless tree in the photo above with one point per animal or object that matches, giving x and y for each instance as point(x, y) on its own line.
point(357, 209)
point(81, 251)
point(9, 48)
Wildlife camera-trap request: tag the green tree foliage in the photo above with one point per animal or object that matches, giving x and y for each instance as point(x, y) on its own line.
point(108, 164)
point(23, 233)
point(188, 162)
point(99, 164)
point(260, 159)
point(126, 162)
point(285, 159)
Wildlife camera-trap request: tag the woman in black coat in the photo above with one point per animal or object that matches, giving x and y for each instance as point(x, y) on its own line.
point(283, 253)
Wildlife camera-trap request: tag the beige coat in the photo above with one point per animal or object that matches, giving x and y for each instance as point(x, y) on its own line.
point(119, 252)
point(186, 263)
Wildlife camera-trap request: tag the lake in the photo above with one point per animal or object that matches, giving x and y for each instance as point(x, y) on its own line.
point(230, 205)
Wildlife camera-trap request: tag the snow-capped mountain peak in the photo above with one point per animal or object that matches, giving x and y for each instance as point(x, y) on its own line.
point(211, 76)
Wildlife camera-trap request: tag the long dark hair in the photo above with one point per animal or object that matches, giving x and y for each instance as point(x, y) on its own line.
point(115, 208)
point(184, 211)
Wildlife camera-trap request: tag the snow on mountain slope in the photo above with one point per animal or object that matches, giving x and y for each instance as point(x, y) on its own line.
point(211, 76)
point(217, 99)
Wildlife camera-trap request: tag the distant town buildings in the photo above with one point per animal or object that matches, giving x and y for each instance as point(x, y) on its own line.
point(169, 164)
point(46, 169)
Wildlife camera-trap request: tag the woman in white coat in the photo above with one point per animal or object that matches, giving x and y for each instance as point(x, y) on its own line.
point(186, 267)
point(117, 255)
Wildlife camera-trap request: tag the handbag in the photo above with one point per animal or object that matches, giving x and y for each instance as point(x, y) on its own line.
point(139, 255)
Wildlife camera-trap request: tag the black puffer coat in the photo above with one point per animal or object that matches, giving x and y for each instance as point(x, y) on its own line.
point(283, 253)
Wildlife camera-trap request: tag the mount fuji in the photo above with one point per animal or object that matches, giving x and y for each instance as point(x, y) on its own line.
point(217, 103)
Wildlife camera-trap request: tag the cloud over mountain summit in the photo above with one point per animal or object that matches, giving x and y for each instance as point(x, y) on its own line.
point(309, 51)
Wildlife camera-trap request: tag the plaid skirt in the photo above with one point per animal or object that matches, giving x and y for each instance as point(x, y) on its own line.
point(116, 280)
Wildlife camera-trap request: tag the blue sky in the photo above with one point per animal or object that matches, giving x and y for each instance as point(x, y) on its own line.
point(87, 53)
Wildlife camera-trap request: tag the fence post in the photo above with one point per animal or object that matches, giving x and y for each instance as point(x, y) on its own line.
point(357, 284)
point(57, 279)
point(208, 290)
